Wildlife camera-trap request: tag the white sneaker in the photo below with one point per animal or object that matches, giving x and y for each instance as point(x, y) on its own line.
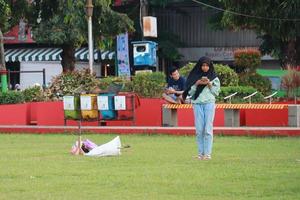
point(206, 157)
point(200, 157)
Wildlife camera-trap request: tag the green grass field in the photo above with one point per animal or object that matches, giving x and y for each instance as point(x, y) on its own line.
point(154, 167)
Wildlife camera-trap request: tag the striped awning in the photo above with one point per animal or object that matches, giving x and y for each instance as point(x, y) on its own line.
point(52, 54)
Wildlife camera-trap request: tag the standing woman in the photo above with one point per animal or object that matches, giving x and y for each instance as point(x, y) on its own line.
point(203, 85)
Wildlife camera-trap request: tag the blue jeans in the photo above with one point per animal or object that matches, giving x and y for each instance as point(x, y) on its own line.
point(204, 116)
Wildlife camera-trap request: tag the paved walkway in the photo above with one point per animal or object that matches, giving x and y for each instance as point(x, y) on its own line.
point(255, 131)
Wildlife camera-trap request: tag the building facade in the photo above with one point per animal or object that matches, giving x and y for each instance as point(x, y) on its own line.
point(190, 22)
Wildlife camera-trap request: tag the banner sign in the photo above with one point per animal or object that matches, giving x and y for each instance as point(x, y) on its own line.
point(150, 26)
point(18, 34)
point(102, 102)
point(123, 55)
point(120, 103)
point(86, 102)
point(68, 102)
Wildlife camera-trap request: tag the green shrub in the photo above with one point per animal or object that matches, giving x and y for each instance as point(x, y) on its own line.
point(242, 91)
point(33, 94)
point(247, 60)
point(185, 70)
point(11, 97)
point(291, 83)
point(260, 83)
point(149, 84)
point(123, 82)
point(227, 76)
point(77, 82)
point(72, 83)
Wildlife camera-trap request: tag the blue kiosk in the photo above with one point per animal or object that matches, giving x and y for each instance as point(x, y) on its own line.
point(144, 54)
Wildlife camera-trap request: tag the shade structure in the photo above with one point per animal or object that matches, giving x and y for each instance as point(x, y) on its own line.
point(52, 54)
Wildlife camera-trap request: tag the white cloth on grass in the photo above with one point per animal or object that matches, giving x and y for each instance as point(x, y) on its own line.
point(112, 148)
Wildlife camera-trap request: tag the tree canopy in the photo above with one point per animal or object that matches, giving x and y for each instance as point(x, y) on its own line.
point(276, 22)
point(64, 23)
point(5, 13)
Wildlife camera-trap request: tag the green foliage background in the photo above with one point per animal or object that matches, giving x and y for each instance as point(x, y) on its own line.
point(33, 94)
point(11, 97)
point(149, 84)
point(242, 91)
point(227, 76)
point(73, 83)
point(276, 22)
point(262, 84)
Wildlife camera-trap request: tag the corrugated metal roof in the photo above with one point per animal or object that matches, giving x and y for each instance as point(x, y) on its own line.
point(193, 29)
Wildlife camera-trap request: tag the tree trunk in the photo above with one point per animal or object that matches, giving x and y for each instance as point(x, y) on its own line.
point(290, 59)
point(298, 51)
point(68, 58)
point(2, 59)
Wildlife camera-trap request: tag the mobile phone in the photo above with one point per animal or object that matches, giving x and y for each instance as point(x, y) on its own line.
point(204, 78)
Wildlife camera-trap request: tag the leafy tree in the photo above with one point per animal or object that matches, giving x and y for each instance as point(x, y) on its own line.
point(5, 12)
point(276, 22)
point(11, 13)
point(63, 23)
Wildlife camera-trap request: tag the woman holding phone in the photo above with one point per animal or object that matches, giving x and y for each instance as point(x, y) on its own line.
point(203, 85)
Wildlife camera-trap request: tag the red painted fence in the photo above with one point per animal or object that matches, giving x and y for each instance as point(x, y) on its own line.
point(149, 113)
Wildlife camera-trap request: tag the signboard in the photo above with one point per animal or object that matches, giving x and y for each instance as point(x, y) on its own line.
point(68, 102)
point(86, 102)
point(102, 102)
point(120, 103)
point(123, 55)
point(18, 34)
point(150, 26)
point(214, 53)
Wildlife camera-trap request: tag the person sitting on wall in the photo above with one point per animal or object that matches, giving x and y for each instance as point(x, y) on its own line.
point(175, 87)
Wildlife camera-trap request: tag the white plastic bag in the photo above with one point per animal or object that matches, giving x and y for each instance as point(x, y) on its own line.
point(112, 148)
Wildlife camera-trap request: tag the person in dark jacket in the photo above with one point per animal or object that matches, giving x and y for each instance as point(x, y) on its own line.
point(175, 87)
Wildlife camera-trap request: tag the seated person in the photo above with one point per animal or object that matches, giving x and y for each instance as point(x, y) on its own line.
point(175, 88)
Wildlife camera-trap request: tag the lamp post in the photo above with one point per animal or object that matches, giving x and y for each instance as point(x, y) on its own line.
point(89, 13)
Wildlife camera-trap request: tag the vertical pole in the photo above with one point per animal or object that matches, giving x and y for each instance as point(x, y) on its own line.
point(133, 107)
point(100, 62)
point(44, 78)
point(3, 72)
point(105, 70)
point(79, 151)
point(91, 51)
point(144, 6)
point(8, 79)
point(116, 61)
point(4, 87)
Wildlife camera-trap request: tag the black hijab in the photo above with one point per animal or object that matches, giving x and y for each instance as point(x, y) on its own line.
point(197, 74)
